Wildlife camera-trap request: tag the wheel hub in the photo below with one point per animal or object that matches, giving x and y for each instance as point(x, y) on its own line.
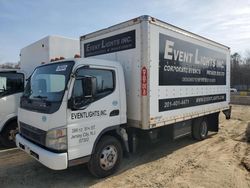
point(108, 157)
point(203, 128)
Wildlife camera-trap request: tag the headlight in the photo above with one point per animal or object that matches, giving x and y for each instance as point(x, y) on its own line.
point(57, 139)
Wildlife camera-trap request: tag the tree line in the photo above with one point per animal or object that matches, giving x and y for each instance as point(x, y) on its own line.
point(240, 71)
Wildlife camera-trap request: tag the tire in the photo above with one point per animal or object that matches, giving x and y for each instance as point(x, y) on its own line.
point(106, 158)
point(200, 129)
point(8, 134)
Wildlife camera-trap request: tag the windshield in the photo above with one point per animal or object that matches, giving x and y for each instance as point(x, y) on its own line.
point(11, 83)
point(3, 82)
point(49, 82)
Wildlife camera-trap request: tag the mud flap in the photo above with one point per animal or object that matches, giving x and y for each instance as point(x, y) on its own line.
point(124, 136)
point(213, 122)
point(227, 112)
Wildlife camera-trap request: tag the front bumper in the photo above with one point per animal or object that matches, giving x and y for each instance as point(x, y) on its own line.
point(55, 161)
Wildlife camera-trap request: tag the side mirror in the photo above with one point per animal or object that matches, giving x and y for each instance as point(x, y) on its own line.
point(87, 89)
point(89, 86)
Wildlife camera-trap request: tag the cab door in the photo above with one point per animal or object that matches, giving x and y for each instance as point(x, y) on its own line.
point(94, 106)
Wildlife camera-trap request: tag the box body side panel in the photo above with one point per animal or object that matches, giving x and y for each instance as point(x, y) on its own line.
point(189, 77)
point(124, 46)
point(63, 47)
point(34, 55)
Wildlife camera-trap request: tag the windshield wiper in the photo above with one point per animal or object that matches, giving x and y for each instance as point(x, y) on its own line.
point(40, 97)
point(3, 92)
point(2, 89)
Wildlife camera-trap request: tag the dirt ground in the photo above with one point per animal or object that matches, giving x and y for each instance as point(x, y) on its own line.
point(222, 160)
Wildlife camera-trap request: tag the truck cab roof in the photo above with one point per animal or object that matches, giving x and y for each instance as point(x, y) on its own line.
point(88, 61)
point(9, 70)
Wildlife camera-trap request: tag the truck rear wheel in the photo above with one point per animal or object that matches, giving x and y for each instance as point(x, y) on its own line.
point(8, 134)
point(200, 129)
point(107, 157)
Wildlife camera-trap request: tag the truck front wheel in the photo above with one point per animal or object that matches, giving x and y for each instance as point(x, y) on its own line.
point(200, 129)
point(107, 157)
point(8, 134)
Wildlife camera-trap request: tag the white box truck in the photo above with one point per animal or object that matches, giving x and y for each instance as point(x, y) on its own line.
point(12, 82)
point(46, 50)
point(141, 77)
point(11, 88)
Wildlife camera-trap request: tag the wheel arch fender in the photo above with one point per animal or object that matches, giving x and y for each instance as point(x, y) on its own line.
point(115, 131)
point(10, 120)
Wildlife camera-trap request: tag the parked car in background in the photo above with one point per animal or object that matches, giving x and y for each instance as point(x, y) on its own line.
point(233, 90)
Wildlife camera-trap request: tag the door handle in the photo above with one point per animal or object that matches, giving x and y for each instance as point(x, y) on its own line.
point(114, 113)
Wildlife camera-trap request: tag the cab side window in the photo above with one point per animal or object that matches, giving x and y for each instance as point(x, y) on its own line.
point(105, 83)
point(11, 83)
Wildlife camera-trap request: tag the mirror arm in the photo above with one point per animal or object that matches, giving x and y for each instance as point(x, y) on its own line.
point(70, 103)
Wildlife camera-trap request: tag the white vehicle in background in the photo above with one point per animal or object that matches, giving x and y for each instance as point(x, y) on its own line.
point(140, 77)
point(45, 50)
point(12, 82)
point(11, 89)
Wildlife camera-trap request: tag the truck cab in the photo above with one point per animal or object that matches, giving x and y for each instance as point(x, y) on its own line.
point(11, 88)
point(72, 112)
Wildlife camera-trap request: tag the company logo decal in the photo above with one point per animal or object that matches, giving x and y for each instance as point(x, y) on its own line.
point(120, 42)
point(44, 118)
point(90, 114)
point(185, 63)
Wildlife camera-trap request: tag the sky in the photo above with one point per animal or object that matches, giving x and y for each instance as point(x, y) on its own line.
point(23, 22)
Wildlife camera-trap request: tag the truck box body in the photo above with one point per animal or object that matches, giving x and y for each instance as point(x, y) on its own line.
point(171, 75)
point(45, 49)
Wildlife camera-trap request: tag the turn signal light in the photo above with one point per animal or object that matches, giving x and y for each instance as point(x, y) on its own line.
point(77, 56)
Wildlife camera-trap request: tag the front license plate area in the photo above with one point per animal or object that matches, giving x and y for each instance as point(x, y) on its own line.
point(34, 154)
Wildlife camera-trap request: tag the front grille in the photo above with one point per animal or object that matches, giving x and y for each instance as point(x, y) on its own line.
point(33, 134)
